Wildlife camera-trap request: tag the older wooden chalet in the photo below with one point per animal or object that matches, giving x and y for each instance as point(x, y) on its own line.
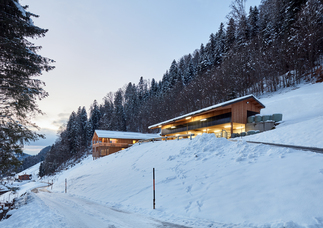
point(108, 142)
point(222, 119)
point(25, 177)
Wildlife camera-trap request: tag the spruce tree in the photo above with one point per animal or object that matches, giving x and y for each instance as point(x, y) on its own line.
point(95, 116)
point(231, 35)
point(119, 120)
point(19, 88)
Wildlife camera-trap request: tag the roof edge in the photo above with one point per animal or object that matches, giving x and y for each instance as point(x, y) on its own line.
point(208, 108)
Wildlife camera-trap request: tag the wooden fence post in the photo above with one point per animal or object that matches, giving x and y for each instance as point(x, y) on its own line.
point(154, 201)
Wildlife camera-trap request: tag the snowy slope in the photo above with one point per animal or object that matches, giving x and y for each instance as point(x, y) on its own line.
point(206, 181)
point(302, 110)
point(211, 182)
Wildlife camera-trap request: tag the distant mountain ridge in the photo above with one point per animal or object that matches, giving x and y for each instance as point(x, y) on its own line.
point(23, 156)
point(29, 160)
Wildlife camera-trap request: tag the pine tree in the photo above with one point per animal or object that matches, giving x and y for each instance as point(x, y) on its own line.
point(174, 74)
point(190, 73)
point(220, 47)
point(19, 89)
point(253, 21)
point(203, 62)
point(131, 106)
point(95, 116)
point(153, 88)
point(106, 111)
point(73, 134)
point(242, 31)
point(231, 34)
point(88, 133)
point(166, 83)
point(119, 120)
point(81, 118)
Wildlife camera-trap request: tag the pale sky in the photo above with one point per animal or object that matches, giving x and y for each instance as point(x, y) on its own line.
point(101, 45)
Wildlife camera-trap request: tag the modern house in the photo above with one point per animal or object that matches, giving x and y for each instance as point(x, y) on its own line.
point(108, 142)
point(223, 119)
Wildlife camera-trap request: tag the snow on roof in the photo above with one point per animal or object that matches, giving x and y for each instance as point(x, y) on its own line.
point(124, 135)
point(209, 108)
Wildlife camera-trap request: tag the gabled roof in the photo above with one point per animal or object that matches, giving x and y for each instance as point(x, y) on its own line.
point(124, 135)
point(223, 104)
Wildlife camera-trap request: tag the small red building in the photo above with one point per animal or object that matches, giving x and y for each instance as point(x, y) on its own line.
point(25, 177)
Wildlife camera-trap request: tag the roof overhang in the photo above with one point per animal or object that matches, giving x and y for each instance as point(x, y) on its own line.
point(209, 109)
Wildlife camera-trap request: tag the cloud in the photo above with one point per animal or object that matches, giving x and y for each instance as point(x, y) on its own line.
point(35, 147)
point(62, 119)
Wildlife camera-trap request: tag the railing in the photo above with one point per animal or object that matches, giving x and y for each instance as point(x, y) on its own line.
point(165, 138)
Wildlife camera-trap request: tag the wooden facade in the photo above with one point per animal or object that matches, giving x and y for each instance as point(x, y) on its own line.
point(222, 119)
point(24, 177)
point(109, 142)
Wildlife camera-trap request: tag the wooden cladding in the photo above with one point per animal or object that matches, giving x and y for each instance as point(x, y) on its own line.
point(240, 109)
point(226, 117)
point(105, 146)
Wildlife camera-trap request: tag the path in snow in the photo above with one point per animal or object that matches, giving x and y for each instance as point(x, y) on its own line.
point(77, 212)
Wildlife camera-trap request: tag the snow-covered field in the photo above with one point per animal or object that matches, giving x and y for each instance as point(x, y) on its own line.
point(204, 182)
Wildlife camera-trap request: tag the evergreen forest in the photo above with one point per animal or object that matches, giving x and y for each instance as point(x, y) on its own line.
point(262, 49)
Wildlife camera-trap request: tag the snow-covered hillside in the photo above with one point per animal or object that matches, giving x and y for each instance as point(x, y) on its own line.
point(212, 182)
point(302, 109)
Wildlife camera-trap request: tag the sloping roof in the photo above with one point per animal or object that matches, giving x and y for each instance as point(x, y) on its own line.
point(124, 135)
point(209, 108)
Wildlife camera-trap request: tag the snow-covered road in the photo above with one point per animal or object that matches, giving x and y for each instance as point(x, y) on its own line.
point(77, 212)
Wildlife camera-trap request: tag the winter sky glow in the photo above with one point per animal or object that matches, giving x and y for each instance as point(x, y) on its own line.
point(101, 45)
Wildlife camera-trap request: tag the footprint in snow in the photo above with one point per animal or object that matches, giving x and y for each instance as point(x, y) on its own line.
point(321, 171)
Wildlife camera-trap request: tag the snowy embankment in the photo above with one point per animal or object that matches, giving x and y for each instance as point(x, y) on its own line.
point(302, 110)
point(211, 182)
